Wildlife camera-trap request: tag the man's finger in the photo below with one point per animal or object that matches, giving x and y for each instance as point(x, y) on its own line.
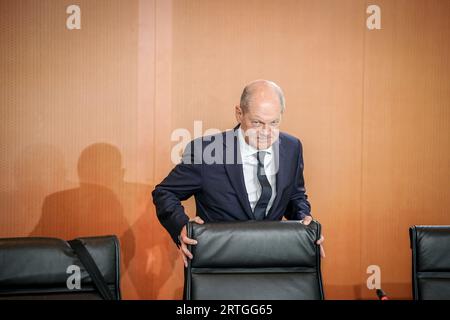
point(306, 220)
point(187, 240)
point(321, 240)
point(322, 251)
point(197, 219)
point(184, 260)
point(186, 252)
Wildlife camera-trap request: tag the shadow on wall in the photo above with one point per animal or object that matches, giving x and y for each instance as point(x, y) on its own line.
point(38, 170)
point(105, 204)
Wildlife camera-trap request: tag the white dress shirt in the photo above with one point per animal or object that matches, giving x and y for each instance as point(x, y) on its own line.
point(250, 166)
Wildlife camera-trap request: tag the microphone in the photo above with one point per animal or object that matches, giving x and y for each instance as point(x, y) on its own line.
point(382, 295)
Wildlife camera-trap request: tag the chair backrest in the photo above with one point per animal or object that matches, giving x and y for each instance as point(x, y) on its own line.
point(430, 262)
point(254, 260)
point(45, 268)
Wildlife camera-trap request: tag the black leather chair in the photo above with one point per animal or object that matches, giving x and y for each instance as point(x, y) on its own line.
point(430, 262)
point(37, 268)
point(254, 260)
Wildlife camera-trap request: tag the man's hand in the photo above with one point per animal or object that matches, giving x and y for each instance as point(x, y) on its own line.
point(306, 221)
point(185, 253)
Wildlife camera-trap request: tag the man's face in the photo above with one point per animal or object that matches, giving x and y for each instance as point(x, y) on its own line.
point(261, 120)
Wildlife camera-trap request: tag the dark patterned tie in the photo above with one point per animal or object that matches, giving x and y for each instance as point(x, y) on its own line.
point(266, 189)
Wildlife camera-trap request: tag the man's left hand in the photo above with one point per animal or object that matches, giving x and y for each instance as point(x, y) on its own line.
point(306, 221)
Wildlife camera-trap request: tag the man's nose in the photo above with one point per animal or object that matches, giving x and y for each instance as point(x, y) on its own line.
point(265, 130)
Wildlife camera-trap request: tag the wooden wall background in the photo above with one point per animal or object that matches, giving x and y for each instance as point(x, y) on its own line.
point(98, 105)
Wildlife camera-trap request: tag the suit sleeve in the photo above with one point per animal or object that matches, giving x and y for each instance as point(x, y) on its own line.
point(182, 182)
point(298, 206)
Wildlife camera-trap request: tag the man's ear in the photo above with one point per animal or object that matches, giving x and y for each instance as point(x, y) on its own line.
point(238, 113)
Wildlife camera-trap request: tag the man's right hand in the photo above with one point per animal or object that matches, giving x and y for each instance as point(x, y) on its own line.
point(185, 253)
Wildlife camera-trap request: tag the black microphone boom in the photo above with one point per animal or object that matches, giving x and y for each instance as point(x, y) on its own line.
point(382, 295)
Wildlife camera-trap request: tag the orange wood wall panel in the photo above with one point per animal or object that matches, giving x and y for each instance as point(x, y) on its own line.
point(406, 154)
point(87, 117)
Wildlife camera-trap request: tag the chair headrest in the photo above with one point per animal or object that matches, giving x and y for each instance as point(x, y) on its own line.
point(30, 265)
point(432, 247)
point(254, 244)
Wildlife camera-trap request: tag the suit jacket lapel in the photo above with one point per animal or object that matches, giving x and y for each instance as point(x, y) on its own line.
point(234, 170)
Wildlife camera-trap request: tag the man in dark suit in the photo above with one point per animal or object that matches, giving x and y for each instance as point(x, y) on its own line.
point(253, 172)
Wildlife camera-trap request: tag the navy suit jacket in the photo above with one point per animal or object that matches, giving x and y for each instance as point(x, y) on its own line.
point(219, 188)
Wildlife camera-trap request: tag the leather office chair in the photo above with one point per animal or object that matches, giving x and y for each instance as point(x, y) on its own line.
point(430, 262)
point(254, 260)
point(39, 268)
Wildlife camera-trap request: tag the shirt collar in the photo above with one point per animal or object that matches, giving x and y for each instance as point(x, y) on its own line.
point(246, 149)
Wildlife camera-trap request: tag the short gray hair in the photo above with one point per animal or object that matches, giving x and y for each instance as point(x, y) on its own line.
point(248, 91)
